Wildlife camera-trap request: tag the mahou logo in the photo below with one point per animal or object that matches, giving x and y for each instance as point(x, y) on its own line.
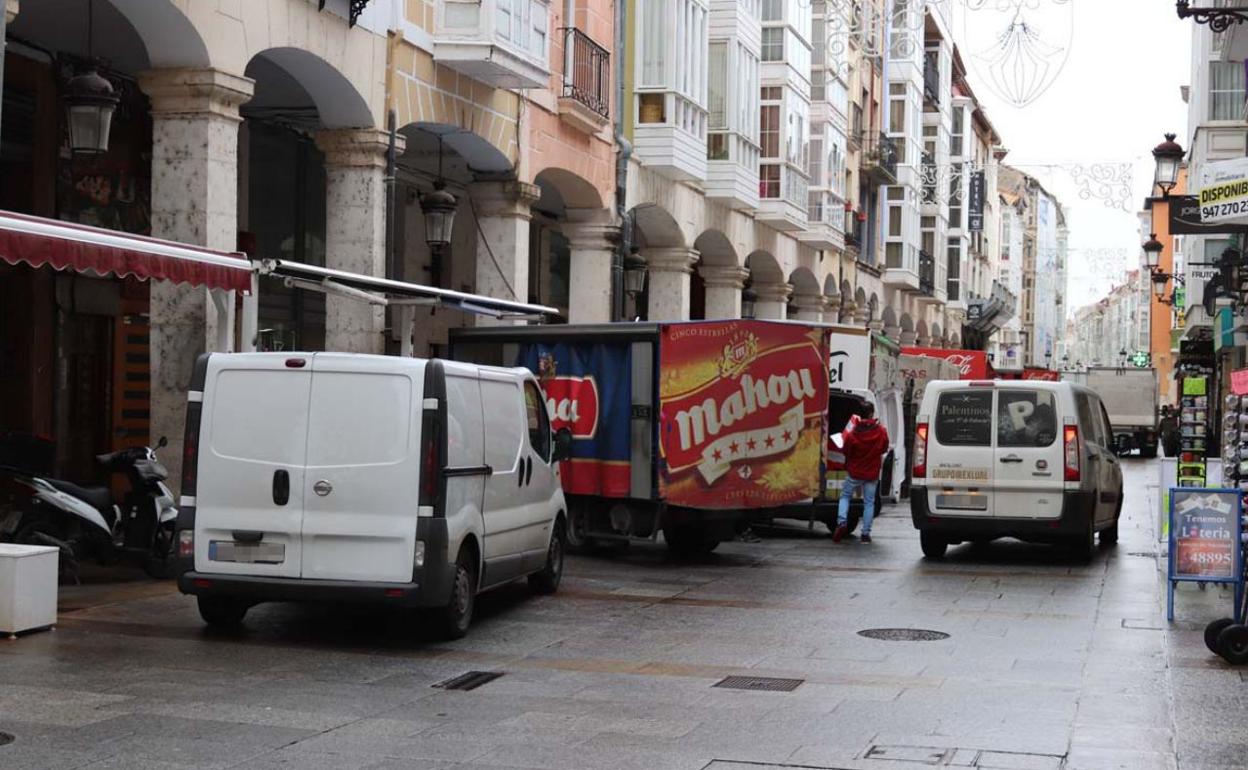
point(572, 403)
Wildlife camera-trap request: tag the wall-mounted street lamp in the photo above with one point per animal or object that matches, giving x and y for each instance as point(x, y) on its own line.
point(1152, 249)
point(89, 103)
point(634, 274)
point(749, 298)
point(1218, 19)
point(1160, 281)
point(1168, 156)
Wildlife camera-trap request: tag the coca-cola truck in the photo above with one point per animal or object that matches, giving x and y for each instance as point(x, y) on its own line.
point(690, 428)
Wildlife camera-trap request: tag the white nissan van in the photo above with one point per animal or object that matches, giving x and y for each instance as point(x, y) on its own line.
point(1014, 458)
point(358, 478)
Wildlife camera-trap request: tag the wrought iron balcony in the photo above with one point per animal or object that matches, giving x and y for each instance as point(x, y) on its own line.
point(587, 71)
point(354, 9)
point(880, 159)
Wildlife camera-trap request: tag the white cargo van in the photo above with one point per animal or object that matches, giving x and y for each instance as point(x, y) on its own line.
point(1001, 458)
point(343, 477)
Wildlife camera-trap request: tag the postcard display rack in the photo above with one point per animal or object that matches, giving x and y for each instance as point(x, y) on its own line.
point(1193, 432)
point(1235, 443)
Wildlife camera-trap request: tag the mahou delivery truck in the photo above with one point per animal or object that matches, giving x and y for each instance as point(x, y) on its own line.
point(689, 428)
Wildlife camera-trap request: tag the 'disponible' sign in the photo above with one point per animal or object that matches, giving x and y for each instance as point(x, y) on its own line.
point(1223, 191)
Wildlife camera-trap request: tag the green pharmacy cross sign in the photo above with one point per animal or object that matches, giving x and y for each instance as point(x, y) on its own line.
point(1140, 359)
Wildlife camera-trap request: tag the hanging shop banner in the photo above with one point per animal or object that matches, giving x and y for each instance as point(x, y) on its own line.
point(1185, 218)
point(1239, 382)
point(975, 216)
point(1223, 191)
point(588, 391)
point(971, 364)
point(743, 412)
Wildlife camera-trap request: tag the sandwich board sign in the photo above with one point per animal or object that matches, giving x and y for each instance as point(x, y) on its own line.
point(1205, 540)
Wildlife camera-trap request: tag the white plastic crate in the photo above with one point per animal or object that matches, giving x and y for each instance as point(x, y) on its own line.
point(28, 575)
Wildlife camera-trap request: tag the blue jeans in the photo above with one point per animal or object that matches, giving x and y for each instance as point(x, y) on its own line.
point(848, 487)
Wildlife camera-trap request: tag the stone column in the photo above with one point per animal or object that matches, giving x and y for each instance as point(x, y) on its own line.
point(848, 312)
point(772, 301)
point(892, 332)
point(355, 231)
point(503, 255)
point(592, 238)
point(908, 338)
point(194, 200)
point(668, 271)
point(808, 307)
point(723, 290)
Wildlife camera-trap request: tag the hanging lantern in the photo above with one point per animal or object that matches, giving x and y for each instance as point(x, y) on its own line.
point(89, 105)
point(634, 274)
point(439, 208)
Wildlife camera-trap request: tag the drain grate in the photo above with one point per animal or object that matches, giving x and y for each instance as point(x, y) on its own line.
point(6, 739)
point(469, 681)
point(903, 634)
point(759, 683)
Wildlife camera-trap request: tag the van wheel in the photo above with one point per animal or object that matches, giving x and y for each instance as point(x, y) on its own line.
point(1085, 544)
point(547, 581)
point(933, 545)
point(222, 611)
point(456, 616)
point(689, 540)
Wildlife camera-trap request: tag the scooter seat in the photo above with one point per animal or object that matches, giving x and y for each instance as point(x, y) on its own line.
point(99, 498)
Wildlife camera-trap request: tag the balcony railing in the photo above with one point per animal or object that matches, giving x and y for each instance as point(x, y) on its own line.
point(853, 230)
point(881, 158)
point(927, 273)
point(587, 76)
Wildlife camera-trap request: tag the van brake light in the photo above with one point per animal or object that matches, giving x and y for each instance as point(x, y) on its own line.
point(190, 448)
point(920, 451)
point(1070, 442)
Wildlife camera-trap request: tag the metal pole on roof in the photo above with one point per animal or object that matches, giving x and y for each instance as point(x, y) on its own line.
point(4, 21)
point(251, 316)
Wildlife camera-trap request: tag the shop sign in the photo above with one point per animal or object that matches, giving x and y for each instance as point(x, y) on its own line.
point(1204, 534)
point(1223, 191)
point(1223, 329)
point(743, 413)
point(975, 217)
point(1185, 218)
point(971, 364)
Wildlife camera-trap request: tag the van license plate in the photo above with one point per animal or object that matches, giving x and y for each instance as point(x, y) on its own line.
point(962, 502)
point(246, 553)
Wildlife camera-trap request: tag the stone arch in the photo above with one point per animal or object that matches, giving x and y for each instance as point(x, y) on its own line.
point(888, 316)
point(807, 301)
point(715, 249)
point(764, 269)
point(771, 291)
point(804, 281)
point(131, 35)
point(573, 190)
point(920, 330)
point(938, 336)
point(464, 156)
point(655, 228)
point(907, 323)
point(339, 103)
point(717, 280)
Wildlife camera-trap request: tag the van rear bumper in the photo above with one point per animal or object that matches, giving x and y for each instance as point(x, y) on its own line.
point(1077, 509)
point(266, 589)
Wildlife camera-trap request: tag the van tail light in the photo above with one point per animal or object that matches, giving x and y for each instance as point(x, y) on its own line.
point(190, 448)
point(186, 543)
point(920, 451)
point(430, 456)
point(1070, 441)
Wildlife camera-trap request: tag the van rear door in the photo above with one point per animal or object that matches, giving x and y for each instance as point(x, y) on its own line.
point(252, 447)
point(960, 453)
point(1029, 476)
point(363, 468)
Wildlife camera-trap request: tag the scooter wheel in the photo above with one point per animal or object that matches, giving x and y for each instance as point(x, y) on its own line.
point(1233, 644)
point(1213, 630)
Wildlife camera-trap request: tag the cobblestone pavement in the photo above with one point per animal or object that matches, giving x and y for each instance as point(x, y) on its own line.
point(1048, 664)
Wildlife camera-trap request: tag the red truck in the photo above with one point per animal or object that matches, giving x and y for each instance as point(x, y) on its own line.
point(690, 428)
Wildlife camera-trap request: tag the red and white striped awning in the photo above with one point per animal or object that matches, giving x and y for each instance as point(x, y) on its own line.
point(66, 246)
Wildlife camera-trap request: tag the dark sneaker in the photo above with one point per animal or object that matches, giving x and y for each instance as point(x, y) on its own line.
point(866, 537)
point(839, 534)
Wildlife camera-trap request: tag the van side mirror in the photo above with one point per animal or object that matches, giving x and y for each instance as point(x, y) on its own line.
point(563, 445)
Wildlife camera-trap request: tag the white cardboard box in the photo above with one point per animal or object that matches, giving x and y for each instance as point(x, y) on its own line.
point(28, 575)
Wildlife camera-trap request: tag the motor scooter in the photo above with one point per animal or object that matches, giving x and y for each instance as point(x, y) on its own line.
point(86, 522)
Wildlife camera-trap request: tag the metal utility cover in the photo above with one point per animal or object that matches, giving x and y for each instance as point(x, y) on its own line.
point(903, 634)
point(760, 683)
point(469, 681)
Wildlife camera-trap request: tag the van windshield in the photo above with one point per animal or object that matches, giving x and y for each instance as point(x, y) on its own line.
point(964, 418)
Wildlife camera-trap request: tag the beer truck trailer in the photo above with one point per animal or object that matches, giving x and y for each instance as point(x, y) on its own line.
point(690, 428)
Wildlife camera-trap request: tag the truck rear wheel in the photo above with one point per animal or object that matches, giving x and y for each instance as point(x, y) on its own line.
point(689, 540)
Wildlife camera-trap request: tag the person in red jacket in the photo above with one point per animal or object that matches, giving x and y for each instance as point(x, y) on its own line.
point(866, 443)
